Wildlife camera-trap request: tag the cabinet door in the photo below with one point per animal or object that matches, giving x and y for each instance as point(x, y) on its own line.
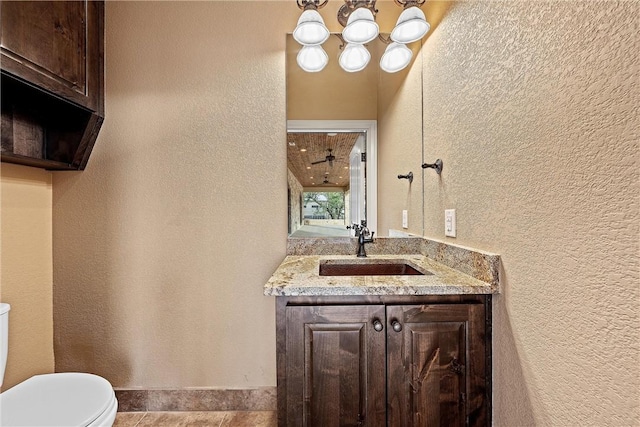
point(56, 45)
point(335, 366)
point(436, 371)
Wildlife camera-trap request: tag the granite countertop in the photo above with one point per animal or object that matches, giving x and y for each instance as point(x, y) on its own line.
point(298, 275)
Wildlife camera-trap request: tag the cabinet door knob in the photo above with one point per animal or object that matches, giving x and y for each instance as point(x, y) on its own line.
point(396, 325)
point(377, 325)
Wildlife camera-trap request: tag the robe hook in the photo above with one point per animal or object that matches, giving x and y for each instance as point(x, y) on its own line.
point(437, 165)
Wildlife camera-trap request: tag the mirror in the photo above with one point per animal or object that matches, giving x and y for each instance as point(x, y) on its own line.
point(344, 130)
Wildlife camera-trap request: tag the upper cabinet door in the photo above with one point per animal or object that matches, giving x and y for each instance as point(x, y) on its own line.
point(335, 363)
point(58, 46)
point(433, 357)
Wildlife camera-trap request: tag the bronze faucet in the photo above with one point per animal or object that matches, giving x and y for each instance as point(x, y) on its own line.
point(363, 237)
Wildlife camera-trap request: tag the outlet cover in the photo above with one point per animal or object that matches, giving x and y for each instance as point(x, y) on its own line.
point(405, 219)
point(450, 222)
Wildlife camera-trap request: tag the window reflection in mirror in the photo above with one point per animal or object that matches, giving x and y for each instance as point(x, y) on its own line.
point(327, 175)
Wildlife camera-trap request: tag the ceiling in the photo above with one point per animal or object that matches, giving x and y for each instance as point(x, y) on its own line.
point(303, 148)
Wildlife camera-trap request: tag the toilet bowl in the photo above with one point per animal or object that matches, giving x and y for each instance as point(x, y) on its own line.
point(65, 399)
point(69, 399)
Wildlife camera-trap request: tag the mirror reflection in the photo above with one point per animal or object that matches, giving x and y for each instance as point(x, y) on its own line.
point(329, 182)
point(334, 120)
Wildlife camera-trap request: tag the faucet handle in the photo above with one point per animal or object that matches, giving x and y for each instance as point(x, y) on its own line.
point(356, 229)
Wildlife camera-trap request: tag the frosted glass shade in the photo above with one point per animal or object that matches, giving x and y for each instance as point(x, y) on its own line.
point(311, 30)
point(395, 57)
point(411, 26)
point(312, 58)
point(361, 27)
point(354, 57)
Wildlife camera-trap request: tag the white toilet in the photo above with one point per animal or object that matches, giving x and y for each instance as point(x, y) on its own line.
point(66, 399)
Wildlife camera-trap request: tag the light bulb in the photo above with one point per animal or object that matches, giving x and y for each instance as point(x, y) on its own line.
point(311, 30)
point(361, 27)
point(312, 58)
point(354, 57)
point(396, 57)
point(411, 26)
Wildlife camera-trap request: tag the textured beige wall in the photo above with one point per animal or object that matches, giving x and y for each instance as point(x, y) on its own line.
point(26, 276)
point(400, 147)
point(162, 245)
point(534, 111)
point(331, 94)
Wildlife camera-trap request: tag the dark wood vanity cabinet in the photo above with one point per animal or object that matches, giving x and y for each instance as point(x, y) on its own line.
point(52, 60)
point(384, 361)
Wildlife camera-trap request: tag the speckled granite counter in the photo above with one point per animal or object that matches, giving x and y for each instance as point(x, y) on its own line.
point(454, 269)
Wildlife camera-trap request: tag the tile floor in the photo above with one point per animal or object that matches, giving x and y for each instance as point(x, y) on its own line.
point(204, 419)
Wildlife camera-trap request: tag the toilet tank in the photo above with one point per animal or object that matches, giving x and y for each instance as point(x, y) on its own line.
point(4, 337)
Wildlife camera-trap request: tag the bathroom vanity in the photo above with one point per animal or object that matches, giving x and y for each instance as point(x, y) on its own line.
point(384, 344)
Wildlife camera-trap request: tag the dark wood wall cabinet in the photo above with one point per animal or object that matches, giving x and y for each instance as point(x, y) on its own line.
point(52, 61)
point(384, 361)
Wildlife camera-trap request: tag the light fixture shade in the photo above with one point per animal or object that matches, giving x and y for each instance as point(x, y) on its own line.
point(312, 58)
point(354, 57)
point(395, 57)
point(361, 27)
point(311, 30)
point(411, 26)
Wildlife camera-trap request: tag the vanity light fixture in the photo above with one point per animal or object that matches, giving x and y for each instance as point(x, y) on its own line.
point(311, 33)
point(354, 57)
point(311, 30)
point(358, 19)
point(312, 59)
point(412, 24)
point(395, 57)
point(361, 26)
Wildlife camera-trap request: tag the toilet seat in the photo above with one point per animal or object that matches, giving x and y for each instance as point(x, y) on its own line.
point(65, 399)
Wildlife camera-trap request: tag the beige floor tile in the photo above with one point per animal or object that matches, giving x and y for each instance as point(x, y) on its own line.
point(128, 419)
point(250, 419)
point(182, 419)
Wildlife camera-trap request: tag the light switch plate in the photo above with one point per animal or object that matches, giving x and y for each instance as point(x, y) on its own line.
point(450, 222)
point(405, 219)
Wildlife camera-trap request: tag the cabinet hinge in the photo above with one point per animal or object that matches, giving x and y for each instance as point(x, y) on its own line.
point(363, 157)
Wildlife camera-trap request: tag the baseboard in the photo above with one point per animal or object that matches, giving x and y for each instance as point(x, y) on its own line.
point(195, 399)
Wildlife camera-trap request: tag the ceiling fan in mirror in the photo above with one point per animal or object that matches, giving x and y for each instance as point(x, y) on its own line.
point(328, 158)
